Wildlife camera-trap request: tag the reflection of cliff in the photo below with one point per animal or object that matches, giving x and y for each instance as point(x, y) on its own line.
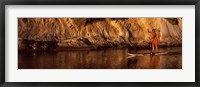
point(100, 59)
point(111, 58)
point(99, 32)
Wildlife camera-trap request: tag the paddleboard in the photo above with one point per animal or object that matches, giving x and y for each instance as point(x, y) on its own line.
point(142, 54)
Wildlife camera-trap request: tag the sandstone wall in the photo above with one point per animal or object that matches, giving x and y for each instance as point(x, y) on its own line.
point(100, 32)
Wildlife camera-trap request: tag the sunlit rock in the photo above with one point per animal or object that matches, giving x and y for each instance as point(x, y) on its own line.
point(100, 32)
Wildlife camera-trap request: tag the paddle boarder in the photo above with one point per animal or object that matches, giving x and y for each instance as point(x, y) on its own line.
point(154, 40)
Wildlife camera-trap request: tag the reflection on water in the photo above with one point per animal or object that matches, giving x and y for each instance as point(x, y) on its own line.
point(100, 59)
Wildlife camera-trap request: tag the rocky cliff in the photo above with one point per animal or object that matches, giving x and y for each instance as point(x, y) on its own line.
point(99, 32)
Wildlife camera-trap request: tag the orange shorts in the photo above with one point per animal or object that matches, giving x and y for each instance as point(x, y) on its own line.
point(155, 41)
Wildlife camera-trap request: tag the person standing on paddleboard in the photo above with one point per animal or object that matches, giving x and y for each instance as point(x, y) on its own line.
point(154, 40)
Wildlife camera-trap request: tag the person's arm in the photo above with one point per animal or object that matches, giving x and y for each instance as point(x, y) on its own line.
point(158, 34)
point(149, 34)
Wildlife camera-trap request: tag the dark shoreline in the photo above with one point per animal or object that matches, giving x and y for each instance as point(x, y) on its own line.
point(91, 48)
point(53, 46)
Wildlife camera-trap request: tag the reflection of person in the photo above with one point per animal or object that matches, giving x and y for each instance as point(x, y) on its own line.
point(154, 43)
point(155, 61)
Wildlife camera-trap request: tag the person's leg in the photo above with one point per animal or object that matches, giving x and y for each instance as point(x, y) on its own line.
point(155, 44)
point(156, 47)
point(152, 47)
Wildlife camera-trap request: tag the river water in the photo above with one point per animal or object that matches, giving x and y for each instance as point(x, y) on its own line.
point(100, 59)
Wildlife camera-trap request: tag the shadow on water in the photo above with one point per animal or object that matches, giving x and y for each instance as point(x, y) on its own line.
point(99, 59)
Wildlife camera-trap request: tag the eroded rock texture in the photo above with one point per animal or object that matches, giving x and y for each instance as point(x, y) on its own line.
point(100, 32)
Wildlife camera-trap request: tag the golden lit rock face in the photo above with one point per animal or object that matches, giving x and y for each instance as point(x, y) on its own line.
point(99, 32)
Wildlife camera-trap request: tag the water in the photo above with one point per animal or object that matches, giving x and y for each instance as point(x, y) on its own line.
point(100, 59)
